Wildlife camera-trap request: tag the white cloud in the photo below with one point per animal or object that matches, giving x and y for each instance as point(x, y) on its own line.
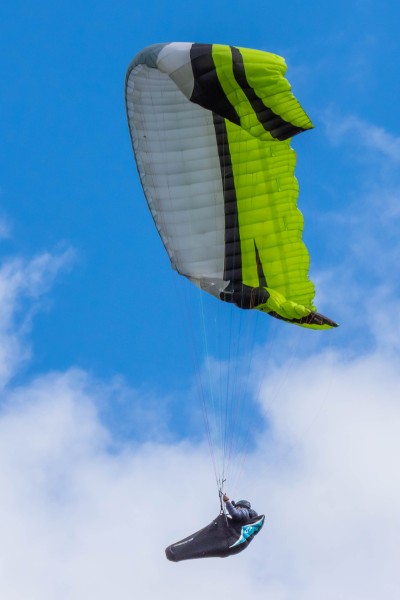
point(334, 490)
point(23, 280)
point(82, 520)
point(83, 516)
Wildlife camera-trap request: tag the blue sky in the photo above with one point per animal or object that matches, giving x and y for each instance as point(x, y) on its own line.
point(92, 351)
point(69, 176)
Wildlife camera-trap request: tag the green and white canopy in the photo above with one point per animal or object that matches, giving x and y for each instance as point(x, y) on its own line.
point(211, 127)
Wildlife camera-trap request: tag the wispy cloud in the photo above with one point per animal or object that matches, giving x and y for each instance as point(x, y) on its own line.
point(23, 282)
point(365, 226)
point(5, 227)
point(354, 131)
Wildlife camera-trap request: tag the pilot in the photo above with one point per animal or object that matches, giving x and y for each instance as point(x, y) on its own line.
point(240, 510)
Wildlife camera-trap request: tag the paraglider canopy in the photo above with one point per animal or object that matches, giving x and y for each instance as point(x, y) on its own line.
point(210, 126)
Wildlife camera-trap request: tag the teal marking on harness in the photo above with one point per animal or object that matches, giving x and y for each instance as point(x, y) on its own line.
point(248, 531)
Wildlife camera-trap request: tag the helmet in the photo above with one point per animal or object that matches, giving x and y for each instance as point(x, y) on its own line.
point(243, 504)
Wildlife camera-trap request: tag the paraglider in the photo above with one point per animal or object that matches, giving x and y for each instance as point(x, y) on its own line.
point(210, 126)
